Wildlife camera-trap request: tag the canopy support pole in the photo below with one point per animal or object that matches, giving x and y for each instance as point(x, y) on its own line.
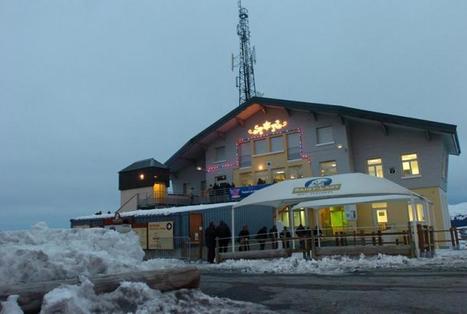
point(292, 225)
point(233, 229)
point(414, 226)
point(317, 223)
point(428, 212)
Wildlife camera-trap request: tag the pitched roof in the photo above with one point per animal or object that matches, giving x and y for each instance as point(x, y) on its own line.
point(142, 164)
point(315, 108)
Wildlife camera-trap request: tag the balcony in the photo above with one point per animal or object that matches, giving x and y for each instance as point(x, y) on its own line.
point(210, 196)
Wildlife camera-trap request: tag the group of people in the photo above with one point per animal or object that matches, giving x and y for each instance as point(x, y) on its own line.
point(222, 231)
point(223, 234)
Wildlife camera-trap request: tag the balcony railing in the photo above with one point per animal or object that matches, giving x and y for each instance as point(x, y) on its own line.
point(210, 196)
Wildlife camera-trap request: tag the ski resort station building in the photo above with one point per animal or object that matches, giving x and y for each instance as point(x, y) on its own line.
point(265, 141)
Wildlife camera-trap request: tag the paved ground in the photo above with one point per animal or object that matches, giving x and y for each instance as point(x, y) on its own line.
point(371, 292)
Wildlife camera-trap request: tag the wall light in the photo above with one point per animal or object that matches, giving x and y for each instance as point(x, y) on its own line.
point(199, 168)
point(141, 176)
point(260, 167)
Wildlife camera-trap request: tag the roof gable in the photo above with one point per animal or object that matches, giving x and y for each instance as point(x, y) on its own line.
point(260, 103)
point(145, 163)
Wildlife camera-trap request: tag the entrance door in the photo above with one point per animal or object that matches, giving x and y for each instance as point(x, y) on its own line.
point(196, 223)
point(333, 220)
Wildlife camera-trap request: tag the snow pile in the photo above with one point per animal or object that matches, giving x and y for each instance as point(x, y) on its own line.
point(10, 306)
point(47, 254)
point(458, 211)
point(444, 259)
point(139, 298)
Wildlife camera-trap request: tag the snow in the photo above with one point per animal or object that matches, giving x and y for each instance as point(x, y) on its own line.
point(46, 254)
point(458, 210)
point(159, 211)
point(10, 306)
point(139, 298)
point(444, 259)
point(43, 254)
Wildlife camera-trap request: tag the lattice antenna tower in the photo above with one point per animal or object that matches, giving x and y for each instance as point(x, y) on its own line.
point(245, 61)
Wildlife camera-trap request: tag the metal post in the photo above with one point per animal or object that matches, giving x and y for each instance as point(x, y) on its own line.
point(233, 230)
point(292, 225)
point(317, 222)
point(414, 227)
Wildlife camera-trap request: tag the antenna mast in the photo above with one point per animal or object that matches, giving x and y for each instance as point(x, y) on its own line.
point(246, 59)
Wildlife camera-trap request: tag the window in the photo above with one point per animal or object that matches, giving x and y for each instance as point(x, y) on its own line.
point(420, 212)
point(295, 172)
point(262, 177)
point(261, 146)
point(381, 214)
point(375, 167)
point(245, 154)
point(410, 165)
point(277, 144)
point(328, 168)
point(324, 135)
point(278, 175)
point(293, 146)
point(220, 153)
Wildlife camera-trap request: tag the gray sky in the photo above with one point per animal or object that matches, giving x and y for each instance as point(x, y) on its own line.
point(87, 87)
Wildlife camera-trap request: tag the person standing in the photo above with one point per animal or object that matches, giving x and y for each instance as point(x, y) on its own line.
point(210, 235)
point(224, 234)
point(262, 236)
point(273, 235)
point(285, 236)
point(244, 238)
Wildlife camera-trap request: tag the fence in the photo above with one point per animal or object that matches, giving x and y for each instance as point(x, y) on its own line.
point(348, 242)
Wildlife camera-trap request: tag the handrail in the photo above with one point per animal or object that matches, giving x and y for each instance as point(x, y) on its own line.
point(120, 208)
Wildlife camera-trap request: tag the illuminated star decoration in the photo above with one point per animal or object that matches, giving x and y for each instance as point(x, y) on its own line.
point(267, 126)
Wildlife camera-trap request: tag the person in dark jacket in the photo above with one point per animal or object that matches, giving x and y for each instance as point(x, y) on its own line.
point(244, 238)
point(224, 234)
point(273, 235)
point(301, 233)
point(285, 236)
point(210, 235)
point(262, 236)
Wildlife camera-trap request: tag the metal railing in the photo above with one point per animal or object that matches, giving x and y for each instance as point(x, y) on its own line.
point(210, 196)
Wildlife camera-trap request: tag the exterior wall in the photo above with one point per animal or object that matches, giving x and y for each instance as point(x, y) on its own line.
point(303, 120)
point(125, 195)
point(368, 141)
point(190, 176)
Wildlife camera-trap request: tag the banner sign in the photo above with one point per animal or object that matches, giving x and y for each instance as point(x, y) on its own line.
point(318, 186)
point(160, 235)
point(350, 212)
point(244, 191)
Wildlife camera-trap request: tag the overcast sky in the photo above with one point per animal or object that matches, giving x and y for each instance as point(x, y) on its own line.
point(87, 87)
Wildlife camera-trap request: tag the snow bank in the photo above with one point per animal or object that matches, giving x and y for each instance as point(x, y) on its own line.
point(139, 298)
point(47, 254)
point(444, 259)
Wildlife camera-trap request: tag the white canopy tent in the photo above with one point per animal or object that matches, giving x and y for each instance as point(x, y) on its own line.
point(316, 192)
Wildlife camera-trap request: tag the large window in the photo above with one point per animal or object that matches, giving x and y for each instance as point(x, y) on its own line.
point(381, 210)
point(410, 165)
point(278, 175)
point(220, 153)
point(277, 144)
point(293, 146)
point(328, 168)
point(375, 167)
point(295, 172)
point(245, 154)
point(419, 212)
point(324, 135)
point(261, 146)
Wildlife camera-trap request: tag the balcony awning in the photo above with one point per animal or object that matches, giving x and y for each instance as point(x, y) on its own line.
point(332, 188)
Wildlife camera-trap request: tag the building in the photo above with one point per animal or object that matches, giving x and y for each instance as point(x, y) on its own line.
point(265, 140)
